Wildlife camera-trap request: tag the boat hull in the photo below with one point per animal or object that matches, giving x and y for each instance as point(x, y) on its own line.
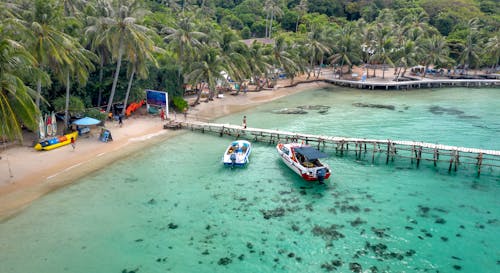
point(309, 171)
point(237, 153)
point(55, 142)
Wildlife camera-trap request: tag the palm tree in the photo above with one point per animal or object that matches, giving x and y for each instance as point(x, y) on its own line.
point(301, 9)
point(275, 11)
point(233, 52)
point(16, 98)
point(122, 35)
point(317, 46)
point(434, 51)
point(493, 48)
point(206, 71)
point(73, 7)
point(78, 65)
point(346, 47)
point(138, 62)
point(46, 40)
point(472, 47)
point(183, 39)
point(258, 60)
point(382, 44)
point(283, 58)
point(97, 24)
point(405, 56)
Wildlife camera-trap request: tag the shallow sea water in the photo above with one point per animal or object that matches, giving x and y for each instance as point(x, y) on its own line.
point(175, 208)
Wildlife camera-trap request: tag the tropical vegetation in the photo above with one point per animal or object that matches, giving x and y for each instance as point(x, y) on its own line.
point(115, 49)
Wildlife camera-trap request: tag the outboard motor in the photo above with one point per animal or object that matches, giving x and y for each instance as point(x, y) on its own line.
point(233, 159)
point(320, 174)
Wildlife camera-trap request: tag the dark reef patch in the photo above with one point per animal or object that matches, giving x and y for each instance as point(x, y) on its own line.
point(438, 110)
point(224, 261)
point(328, 233)
point(371, 105)
point(358, 221)
point(273, 213)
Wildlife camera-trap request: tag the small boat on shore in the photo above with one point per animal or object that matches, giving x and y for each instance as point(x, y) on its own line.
point(55, 142)
point(237, 153)
point(304, 160)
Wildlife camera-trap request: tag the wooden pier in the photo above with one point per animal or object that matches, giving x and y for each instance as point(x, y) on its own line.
point(405, 85)
point(362, 148)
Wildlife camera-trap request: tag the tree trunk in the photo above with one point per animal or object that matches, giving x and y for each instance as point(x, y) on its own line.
point(101, 74)
point(38, 93)
point(271, 24)
point(128, 91)
point(297, 24)
point(66, 107)
point(115, 80)
point(383, 70)
point(198, 95)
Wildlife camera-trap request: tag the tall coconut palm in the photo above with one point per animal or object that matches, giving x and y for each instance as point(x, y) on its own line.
point(16, 98)
point(233, 52)
point(96, 25)
point(346, 48)
point(493, 49)
point(183, 39)
point(317, 46)
point(139, 58)
point(259, 62)
point(283, 58)
point(78, 65)
point(301, 9)
point(206, 71)
point(122, 35)
point(382, 44)
point(472, 47)
point(275, 11)
point(46, 40)
point(434, 52)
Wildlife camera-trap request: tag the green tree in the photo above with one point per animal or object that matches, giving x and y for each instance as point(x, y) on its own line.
point(434, 52)
point(493, 49)
point(16, 65)
point(470, 56)
point(206, 71)
point(183, 39)
point(121, 35)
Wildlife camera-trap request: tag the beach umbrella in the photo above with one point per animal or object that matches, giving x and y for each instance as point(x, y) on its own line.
point(86, 121)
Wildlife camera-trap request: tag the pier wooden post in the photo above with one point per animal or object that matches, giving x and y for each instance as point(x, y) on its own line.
point(435, 157)
point(479, 163)
point(452, 157)
point(373, 154)
point(412, 152)
point(388, 150)
point(456, 160)
point(419, 155)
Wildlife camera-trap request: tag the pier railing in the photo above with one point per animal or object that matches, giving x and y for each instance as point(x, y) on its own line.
point(426, 83)
point(361, 148)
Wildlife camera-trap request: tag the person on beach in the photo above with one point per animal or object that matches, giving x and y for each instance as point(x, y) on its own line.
point(162, 114)
point(73, 143)
point(185, 113)
point(120, 120)
point(244, 122)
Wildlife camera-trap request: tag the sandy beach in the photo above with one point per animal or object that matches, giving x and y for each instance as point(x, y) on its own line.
point(27, 174)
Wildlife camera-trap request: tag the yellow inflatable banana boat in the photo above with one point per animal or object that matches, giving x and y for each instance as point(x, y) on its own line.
point(55, 142)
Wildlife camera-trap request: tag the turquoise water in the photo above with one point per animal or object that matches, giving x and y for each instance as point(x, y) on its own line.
point(175, 208)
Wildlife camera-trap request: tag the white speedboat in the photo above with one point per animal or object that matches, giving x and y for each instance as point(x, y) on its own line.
point(304, 160)
point(237, 153)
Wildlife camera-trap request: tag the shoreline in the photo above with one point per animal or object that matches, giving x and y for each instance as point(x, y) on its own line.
point(37, 173)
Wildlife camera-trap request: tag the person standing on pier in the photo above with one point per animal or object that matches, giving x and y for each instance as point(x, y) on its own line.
point(244, 122)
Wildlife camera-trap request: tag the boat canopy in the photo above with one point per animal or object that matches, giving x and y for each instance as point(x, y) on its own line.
point(310, 152)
